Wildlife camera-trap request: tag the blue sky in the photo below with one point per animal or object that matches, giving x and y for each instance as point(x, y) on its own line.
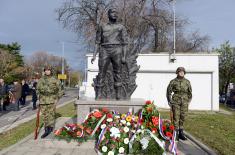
point(33, 24)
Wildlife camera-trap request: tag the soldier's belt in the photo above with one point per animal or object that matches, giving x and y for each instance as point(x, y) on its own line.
point(178, 93)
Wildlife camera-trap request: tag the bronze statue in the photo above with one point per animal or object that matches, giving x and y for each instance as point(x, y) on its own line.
point(111, 44)
point(111, 40)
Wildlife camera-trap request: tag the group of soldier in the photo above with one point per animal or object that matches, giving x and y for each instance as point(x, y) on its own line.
point(179, 95)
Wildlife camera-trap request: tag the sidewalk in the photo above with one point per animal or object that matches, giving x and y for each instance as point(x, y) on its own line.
point(12, 119)
point(53, 146)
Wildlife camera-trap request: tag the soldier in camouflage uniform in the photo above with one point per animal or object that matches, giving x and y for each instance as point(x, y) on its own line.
point(179, 101)
point(49, 90)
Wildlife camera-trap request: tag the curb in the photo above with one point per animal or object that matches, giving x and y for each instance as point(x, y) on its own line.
point(200, 144)
point(11, 126)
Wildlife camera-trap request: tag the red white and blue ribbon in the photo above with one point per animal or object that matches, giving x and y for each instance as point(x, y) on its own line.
point(101, 136)
point(173, 146)
point(98, 125)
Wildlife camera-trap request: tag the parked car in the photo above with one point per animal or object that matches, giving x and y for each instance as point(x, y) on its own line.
point(222, 98)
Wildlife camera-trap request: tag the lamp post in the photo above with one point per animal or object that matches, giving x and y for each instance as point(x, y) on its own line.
point(172, 56)
point(63, 59)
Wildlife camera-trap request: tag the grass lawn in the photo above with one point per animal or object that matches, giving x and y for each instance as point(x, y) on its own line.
point(16, 134)
point(216, 130)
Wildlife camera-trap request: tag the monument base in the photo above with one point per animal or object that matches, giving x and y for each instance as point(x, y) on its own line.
point(84, 106)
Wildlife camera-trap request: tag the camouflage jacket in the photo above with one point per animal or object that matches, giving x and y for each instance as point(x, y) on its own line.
point(49, 90)
point(181, 89)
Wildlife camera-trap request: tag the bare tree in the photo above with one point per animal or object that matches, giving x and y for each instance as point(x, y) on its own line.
point(149, 23)
point(39, 59)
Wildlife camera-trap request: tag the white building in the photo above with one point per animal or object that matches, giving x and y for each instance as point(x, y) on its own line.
point(156, 71)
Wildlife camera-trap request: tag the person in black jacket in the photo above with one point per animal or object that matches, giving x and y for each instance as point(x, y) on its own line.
point(25, 92)
point(3, 95)
point(34, 95)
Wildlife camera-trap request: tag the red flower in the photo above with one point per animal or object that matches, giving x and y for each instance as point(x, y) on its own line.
point(168, 134)
point(57, 132)
point(89, 131)
point(79, 133)
point(149, 109)
point(172, 127)
point(104, 121)
point(155, 120)
point(148, 102)
point(163, 127)
point(154, 130)
point(97, 114)
point(109, 115)
point(141, 121)
point(105, 110)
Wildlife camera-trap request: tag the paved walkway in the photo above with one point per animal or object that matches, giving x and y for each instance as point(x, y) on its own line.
point(53, 146)
point(11, 119)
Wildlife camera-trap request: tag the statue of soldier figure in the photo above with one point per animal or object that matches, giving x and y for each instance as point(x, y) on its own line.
point(111, 42)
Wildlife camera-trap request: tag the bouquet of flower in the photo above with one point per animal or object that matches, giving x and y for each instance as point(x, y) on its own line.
point(115, 133)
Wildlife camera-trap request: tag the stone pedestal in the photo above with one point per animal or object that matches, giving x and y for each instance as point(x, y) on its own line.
point(84, 106)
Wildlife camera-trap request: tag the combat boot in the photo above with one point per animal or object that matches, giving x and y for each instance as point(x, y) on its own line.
point(181, 135)
point(50, 129)
point(46, 133)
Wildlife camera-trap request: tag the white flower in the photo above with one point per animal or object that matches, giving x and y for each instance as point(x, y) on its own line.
point(110, 153)
point(128, 123)
point(144, 143)
point(126, 140)
point(133, 131)
point(123, 121)
point(104, 148)
point(139, 131)
point(142, 127)
point(103, 126)
point(135, 125)
point(126, 129)
point(121, 150)
point(117, 116)
point(109, 120)
point(115, 132)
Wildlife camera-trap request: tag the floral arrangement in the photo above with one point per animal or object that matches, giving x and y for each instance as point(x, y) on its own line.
point(115, 133)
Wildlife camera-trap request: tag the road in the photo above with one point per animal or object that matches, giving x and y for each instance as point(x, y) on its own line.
point(10, 116)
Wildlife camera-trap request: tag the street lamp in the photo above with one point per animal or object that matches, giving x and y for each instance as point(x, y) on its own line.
point(63, 59)
point(172, 55)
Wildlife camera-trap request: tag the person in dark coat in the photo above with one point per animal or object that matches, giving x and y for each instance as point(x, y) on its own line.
point(3, 95)
point(25, 92)
point(34, 95)
point(16, 91)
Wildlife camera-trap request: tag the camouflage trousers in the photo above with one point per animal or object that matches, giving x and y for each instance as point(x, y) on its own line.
point(179, 113)
point(48, 114)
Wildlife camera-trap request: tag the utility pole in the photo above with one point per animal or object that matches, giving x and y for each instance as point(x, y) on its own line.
point(172, 56)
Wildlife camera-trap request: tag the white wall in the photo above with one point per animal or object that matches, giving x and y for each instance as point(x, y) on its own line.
point(156, 72)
